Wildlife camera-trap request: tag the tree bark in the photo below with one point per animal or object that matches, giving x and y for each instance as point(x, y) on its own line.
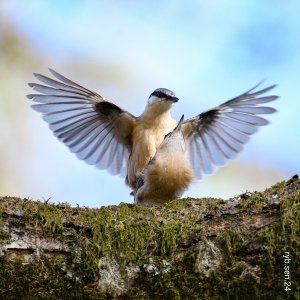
point(247, 247)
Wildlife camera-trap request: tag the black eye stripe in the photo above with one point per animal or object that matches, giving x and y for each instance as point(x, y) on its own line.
point(158, 94)
point(163, 94)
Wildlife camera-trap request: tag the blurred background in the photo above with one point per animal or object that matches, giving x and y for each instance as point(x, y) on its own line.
point(205, 51)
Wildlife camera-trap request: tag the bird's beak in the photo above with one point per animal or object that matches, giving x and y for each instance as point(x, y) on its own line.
point(172, 99)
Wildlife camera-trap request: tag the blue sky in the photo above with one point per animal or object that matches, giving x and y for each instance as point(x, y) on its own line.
point(205, 51)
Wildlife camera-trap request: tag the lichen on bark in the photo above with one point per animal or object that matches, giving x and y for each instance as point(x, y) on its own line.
point(187, 249)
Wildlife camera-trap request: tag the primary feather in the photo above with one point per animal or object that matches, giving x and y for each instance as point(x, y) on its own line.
point(87, 123)
point(217, 135)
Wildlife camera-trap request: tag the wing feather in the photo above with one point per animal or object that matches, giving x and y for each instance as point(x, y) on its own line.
point(217, 135)
point(60, 91)
point(95, 129)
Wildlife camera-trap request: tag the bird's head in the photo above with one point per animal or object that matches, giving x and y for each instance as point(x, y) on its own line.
point(162, 99)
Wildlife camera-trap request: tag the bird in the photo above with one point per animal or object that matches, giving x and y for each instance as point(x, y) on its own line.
point(168, 174)
point(109, 137)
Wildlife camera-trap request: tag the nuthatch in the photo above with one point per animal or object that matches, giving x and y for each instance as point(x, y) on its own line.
point(167, 174)
point(104, 135)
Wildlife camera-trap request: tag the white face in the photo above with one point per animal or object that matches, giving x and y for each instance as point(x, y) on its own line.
point(158, 105)
point(153, 99)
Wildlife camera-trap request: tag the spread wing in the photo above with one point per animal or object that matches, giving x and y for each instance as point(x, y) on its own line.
point(95, 129)
point(219, 134)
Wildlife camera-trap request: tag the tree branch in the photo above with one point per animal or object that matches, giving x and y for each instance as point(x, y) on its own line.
point(243, 248)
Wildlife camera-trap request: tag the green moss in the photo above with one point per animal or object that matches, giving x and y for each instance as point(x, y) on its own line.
point(164, 244)
point(169, 237)
point(4, 235)
point(43, 279)
point(281, 239)
point(230, 241)
point(253, 200)
point(260, 199)
point(116, 233)
point(49, 216)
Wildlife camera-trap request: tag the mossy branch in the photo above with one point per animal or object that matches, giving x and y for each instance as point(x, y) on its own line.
point(247, 247)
